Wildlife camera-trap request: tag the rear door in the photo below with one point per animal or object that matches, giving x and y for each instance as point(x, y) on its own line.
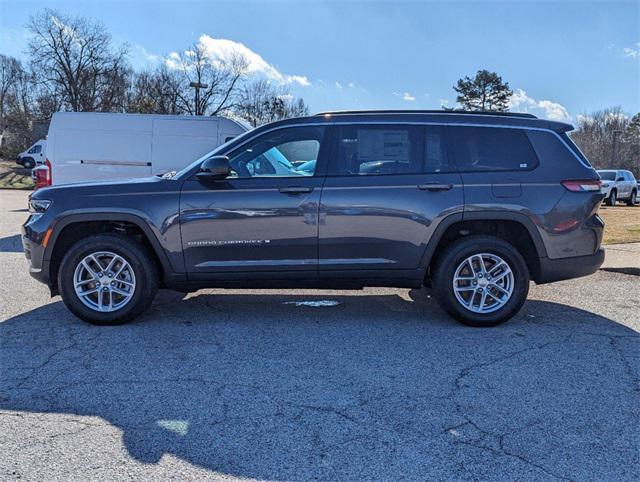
point(387, 187)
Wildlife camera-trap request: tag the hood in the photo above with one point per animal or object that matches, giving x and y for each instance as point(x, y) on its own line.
point(115, 186)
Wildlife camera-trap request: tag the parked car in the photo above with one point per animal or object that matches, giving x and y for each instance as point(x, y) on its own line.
point(618, 185)
point(33, 156)
point(88, 146)
point(475, 203)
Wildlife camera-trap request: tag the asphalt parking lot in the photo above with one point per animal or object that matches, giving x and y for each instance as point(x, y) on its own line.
point(373, 384)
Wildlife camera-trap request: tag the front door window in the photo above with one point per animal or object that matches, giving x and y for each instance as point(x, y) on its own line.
point(289, 152)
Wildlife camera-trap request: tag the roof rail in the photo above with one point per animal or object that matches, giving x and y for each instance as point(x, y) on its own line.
point(457, 112)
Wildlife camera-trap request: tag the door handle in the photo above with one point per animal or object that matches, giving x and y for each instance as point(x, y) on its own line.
point(435, 186)
point(295, 190)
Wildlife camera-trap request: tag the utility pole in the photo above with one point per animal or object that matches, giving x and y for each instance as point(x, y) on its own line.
point(616, 134)
point(197, 86)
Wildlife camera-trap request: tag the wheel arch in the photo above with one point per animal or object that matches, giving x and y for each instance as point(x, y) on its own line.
point(94, 223)
point(502, 224)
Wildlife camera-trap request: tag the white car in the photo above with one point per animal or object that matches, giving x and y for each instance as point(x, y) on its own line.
point(618, 185)
point(33, 156)
point(92, 146)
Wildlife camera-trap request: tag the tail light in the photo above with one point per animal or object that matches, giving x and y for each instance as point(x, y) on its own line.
point(43, 175)
point(583, 185)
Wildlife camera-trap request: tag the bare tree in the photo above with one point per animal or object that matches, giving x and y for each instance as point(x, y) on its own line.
point(221, 77)
point(75, 57)
point(9, 69)
point(261, 102)
point(16, 104)
point(609, 139)
point(155, 92)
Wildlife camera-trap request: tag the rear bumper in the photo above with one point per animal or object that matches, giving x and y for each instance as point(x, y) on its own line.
point(567, 268)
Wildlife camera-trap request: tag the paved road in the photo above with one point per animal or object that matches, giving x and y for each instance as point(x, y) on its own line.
point(379, 384)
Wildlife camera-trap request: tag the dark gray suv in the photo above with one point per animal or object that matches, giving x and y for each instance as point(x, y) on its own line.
point(476, 204)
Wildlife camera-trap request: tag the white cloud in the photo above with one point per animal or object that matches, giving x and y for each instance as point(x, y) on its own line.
point(141, 57)
point(444, 102)
point(219, 49)
point(350, 84)
point(584, 119)
point(406, 96)
point(298, 79)
point(633, 52)
point(339, 85)
point(520, 101)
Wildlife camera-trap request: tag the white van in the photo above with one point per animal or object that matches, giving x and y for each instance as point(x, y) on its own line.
point(88, 146)
point(33, 156)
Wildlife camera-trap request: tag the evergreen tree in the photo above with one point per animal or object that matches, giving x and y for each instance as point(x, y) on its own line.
point(485, 92)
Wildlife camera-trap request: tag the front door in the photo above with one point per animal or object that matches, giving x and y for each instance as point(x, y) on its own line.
point(387, 187)
point(262, 221)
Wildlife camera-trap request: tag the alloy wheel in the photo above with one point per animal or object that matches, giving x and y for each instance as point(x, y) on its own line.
point(483, 283)
point(104, 281)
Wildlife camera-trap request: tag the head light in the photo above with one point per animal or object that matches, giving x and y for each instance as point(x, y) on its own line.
point(38, 206)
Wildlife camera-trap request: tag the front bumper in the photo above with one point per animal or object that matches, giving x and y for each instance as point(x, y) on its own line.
point(34, 251)
point(567, 268)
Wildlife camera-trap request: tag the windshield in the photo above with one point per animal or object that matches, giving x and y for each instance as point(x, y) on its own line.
point(220, 148)
point(607, 175)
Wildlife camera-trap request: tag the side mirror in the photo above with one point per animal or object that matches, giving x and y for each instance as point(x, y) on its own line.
point(216, 167)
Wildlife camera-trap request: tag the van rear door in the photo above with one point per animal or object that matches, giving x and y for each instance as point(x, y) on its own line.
point(178, 142)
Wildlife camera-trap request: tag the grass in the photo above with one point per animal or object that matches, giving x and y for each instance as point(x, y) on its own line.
point(12, 176)
point(622, 223)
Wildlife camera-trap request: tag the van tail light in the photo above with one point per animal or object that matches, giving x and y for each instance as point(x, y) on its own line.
point(43, 175)
point(583, 185)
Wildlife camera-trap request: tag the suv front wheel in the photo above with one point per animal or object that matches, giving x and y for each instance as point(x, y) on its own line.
point(481, 280)
point(107, 279)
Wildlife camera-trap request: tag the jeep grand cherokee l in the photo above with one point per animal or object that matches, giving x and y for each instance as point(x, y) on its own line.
point(476, 204)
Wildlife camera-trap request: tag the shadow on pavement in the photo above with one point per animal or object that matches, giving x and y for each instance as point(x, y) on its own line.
point(11, 244)
point(377, 386)
point(630, 271)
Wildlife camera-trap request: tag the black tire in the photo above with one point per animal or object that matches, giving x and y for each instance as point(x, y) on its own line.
point(632, 199)
point(448, 262)
point(28, 163)
point(613, 197)
point(143, 265)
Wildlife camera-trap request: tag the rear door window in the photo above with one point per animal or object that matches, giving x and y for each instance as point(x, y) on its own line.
point(491, 149)
point(365, 150)
point(435, 152)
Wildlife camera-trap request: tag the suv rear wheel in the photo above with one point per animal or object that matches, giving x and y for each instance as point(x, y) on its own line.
point(481, 280)
point(632, 199)
point(107, 279)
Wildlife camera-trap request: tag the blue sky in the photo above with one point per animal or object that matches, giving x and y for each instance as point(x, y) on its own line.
point(562, 58)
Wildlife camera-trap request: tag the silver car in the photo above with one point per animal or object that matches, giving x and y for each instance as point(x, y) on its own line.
point(618, 185)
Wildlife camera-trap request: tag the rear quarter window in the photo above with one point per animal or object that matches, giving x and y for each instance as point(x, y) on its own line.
point(481, 149)
point(550, 149)
point(574, 148)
